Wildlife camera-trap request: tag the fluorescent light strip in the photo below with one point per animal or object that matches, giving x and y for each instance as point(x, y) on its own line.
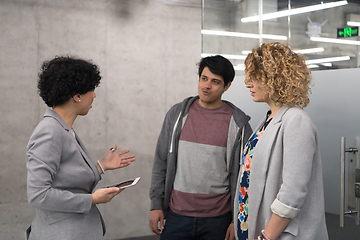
point(327, 60)
point(326, 64)
point(313, 66)
point(316, 66)
point(351, 23)
point(294, 11)
point(310, 63)
point(309, 50)
point(228, 56)
point(239, 67)
point(334, 40)
point(242, 35)
point(245, 53)
point(302, 51)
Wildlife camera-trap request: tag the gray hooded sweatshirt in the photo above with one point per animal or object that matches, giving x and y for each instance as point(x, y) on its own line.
point(165, 161)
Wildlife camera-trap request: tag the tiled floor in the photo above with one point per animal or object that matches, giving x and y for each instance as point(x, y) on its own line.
point(349, 232)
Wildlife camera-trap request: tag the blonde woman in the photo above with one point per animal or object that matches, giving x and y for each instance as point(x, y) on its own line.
point(280, 186)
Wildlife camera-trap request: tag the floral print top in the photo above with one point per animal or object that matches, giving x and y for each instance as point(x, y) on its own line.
point(242, 218)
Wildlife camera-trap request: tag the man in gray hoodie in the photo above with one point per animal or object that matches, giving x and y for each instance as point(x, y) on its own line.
point(196, 163)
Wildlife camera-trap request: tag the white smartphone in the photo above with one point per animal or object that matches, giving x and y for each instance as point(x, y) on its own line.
point(126, 184)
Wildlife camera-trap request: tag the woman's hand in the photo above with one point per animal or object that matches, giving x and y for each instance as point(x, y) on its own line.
point(104, 195)
point(276, 226)
point(115, 160)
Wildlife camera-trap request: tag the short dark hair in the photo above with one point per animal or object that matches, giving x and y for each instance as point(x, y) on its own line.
point(63, 77)
point(218, 65)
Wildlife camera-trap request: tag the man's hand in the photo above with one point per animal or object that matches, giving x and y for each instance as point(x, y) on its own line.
point(155, 217)
point(230, 234)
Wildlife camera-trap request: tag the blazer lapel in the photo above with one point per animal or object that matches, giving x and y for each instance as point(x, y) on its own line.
point(260, 163)
point(79, 144)
point(86, 157)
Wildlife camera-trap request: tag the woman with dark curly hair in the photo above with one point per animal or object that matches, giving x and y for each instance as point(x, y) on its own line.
point(60, 174)
point(283, 196)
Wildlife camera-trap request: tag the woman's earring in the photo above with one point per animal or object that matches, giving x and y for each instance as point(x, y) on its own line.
point(79, 100)
point(275, 101)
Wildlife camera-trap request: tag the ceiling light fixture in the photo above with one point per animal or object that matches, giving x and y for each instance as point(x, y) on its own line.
point(242, 35)
point(327, 60)
point(239, 67)
point(352, 23)
point(334, 40)
point(245, 53)
point(313, 66)
point(309, 50)
point(326, 64)
point(302, 51)
point(316, 66)
point(310, 63)
point(294, 11)
point(228, 56)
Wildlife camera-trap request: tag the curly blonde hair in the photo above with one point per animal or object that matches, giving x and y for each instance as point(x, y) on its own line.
point(280, 72)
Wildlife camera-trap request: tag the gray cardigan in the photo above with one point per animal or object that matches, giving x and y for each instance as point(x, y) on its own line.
point(164, 168)
point(286, 178)
point(60, 180)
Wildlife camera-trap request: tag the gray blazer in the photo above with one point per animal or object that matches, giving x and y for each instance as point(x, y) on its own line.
point(286, 177)
point(60, 180)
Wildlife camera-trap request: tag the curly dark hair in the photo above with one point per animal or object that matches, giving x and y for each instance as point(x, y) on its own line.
point(280, 72)
point(63, 77)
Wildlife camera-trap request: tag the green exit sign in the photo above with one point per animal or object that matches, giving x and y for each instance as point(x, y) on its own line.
point(348, 32)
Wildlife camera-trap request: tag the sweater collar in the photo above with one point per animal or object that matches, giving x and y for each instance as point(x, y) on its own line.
point(239, 116)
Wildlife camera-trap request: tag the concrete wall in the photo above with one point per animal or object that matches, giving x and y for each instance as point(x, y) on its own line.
point(147, 52)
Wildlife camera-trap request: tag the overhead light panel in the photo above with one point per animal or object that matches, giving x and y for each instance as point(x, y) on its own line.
point(335, 40)
point(310, 63)
point(316, 66)
point(228, 56)
point(312, 66)
point(352, 23)
point(294, 11)
point(309, 50)
point(327, 60)
point(239, 67)
point(245, 52)
point(353, 19)
point(242, 35)
point(302, 51)
point(327, 64)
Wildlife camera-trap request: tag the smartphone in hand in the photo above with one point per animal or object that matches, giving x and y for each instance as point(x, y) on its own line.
point(126, 184)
